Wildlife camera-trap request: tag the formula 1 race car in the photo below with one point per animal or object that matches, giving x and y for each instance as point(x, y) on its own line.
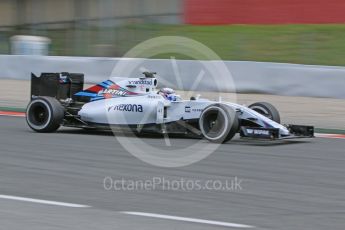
point(58, 99)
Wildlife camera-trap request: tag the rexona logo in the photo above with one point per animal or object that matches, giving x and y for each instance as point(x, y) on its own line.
point(112, 92)
point(127, 108)
point(140, 82)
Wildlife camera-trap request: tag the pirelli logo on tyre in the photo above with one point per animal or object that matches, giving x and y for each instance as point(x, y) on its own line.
point(126, 108)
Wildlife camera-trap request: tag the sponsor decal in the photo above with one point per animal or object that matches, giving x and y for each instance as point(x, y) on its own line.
point(197, 110)
point(258, 132)
point(153, 97)
point(127, 108)
point(187, 109)
point(112, 92)
point(140, 82)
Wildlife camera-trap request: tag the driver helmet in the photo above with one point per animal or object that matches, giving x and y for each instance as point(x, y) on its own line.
point(168, 93)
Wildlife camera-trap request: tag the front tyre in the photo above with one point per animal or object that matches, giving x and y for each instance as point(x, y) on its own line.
point(218, 123)
point(44, 114)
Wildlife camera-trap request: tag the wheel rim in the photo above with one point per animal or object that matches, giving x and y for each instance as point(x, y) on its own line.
point(38, 115)
point(214, 123)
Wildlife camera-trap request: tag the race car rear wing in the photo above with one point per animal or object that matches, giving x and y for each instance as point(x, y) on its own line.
point(59, 85)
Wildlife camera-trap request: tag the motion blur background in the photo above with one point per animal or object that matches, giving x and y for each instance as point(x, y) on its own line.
point(292, 31)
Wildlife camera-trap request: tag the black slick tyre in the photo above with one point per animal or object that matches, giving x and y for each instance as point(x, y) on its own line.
point(44, 114)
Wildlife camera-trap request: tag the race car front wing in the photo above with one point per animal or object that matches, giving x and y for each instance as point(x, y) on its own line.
point(296, 131)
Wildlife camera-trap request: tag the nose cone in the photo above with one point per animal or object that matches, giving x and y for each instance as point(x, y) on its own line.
point(284, 131)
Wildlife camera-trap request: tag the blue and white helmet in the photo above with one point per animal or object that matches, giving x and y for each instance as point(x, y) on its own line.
point(168, 93)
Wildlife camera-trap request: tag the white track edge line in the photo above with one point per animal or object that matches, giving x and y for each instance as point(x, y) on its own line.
point(187, 219)
point(49, 202)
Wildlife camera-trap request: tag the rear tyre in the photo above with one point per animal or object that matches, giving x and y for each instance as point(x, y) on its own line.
point(218, 123)
point(44, 114)
point(266, 109)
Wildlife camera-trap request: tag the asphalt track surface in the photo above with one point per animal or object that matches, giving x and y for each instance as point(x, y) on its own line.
point(286, 185)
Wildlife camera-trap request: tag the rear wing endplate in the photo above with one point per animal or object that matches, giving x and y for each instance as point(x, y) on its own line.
point(59, 85)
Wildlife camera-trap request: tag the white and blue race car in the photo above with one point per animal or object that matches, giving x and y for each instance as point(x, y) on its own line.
point(58, 99)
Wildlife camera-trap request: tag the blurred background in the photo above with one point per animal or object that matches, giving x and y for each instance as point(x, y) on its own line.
point(293, 31)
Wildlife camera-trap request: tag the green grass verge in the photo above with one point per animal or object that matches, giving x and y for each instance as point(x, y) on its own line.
point(331, 131)
point(12, 109)
point(303, 44)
